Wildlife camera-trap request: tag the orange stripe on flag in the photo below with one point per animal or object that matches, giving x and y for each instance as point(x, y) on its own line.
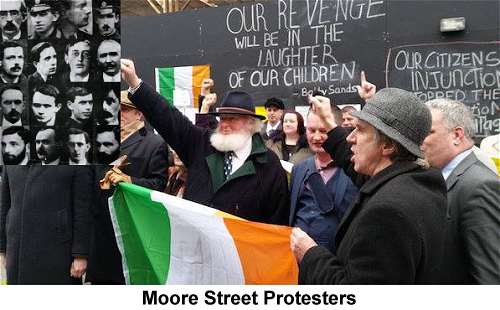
point(199, 73)
point(264, 251)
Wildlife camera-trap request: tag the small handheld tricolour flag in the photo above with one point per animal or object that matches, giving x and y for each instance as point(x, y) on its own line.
point(167, 240)
point(181, 86)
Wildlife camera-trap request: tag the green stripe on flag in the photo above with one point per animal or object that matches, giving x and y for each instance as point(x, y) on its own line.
point(144, 230)
point(167, 83)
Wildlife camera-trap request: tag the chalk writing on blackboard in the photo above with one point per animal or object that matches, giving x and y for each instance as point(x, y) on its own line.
point(464, 71)
point(297, 43)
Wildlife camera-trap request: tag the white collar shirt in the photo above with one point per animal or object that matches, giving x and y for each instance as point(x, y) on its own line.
point(448, 169)
point(270, 127)
point(241, 155)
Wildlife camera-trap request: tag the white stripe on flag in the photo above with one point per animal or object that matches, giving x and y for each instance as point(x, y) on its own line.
point(183, 89)
point(202, 249)
point(157, 80)
point(119, 240)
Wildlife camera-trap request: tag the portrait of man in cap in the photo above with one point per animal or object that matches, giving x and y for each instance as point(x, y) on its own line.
point(107, 19)
point(44, 15)
point(12, 20)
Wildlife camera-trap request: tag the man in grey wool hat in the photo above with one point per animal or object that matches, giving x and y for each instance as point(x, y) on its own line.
point(393, 233)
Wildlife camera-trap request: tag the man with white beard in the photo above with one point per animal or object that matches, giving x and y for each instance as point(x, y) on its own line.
point(230, 169)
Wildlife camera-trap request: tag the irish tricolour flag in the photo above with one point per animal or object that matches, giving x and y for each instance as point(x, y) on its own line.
point(181, 85)
point(168, 240)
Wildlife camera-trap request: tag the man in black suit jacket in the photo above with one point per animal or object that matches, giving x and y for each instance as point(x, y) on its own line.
point(46, 210)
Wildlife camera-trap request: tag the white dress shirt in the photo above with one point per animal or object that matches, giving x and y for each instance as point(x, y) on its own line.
point(448, 169)
point(241, 155)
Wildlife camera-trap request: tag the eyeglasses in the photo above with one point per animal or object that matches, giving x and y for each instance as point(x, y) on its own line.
point(13, 13)
point(84, 54)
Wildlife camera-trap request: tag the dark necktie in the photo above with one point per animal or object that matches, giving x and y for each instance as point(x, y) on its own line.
point(228, 164)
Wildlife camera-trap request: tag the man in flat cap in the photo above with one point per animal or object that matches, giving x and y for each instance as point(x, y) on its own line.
point(274, 110)
point(107, 19)
point(394, 231)
point(230, 169)
point(44, 15)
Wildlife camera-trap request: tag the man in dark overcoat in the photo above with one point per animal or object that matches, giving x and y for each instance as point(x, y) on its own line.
point(229, 169)
point(44, 223)
point(394, 231)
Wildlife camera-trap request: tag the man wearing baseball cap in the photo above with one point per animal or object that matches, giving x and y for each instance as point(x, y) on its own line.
point(394, 231)
point(229, 169)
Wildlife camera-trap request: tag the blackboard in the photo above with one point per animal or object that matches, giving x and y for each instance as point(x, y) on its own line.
point(362, 35)
point(465, 71)
point(283, 48)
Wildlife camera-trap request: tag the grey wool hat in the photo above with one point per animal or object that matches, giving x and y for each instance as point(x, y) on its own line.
point(400, 115)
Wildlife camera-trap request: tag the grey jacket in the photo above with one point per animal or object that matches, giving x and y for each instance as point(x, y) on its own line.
point(473, 212)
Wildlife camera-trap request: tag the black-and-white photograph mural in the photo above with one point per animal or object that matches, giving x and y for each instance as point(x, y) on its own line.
point(59, 81)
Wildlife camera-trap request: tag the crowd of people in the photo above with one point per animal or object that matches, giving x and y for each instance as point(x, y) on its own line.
point(394, 193)
point(371, 204)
